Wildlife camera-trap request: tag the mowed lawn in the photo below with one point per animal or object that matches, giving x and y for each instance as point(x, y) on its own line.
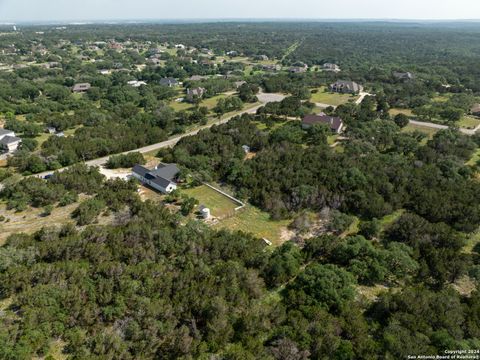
point(331, 98)
point(424, 129)
point(253, 220)
point(396, 111)
point(468, 122)
point(219, 205)
point(209, 103)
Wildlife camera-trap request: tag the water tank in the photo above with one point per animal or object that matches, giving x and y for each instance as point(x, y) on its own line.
point(206, 213)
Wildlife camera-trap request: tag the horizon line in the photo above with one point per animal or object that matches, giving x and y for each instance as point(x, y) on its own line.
point(226, 19)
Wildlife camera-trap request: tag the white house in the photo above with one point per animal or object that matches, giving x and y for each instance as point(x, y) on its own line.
point(8, 141)
point(162, 178)
point(136, 83)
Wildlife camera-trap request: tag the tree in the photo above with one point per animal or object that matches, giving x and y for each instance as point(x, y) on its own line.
point(325, 286)
point(401, 120)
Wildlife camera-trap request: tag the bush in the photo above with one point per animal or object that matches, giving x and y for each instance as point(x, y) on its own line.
point(88, 211)
point(125, 160)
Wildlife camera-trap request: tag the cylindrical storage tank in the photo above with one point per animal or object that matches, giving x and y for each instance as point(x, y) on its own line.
point(206, 213)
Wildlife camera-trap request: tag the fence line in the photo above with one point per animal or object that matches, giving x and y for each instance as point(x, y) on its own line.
point(242, 205)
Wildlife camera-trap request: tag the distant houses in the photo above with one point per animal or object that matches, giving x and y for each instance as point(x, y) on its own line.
point(403, 75)
point(333, 122)
point(162, 178)
point(136, 83)
point(331, 67)
point(169, 81)
point(8, 141)
point(81, 87)
point(475, 110)
point(298, 68)
point(271, 67)
point(346, 87)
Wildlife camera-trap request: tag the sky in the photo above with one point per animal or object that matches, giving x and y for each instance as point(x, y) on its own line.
point(77, 10)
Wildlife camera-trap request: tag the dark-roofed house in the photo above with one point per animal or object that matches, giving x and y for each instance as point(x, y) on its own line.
point(162, 178)
point(475, 110)
point(170, 82)
point(346, 87)
point(8, 141)
point(403, 75)
point(335, 123)
point(81, 88)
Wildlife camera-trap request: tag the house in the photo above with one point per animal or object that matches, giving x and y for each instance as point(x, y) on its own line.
point(136, 83)
point(475, 110)
point(195, 93)
point(403, 75)
point(232, 53)
point(51, 130)
point(298, 69)
point(81, 87)
point(155, 61)
point(331, 67)
point(261, 57)
point(271, 67)
point(162, 178)
point(180, 46)
point(335, 123)
point(246, 148)
point(8, 141)
point(197, 78)
point(170, 82)
point(346, 87)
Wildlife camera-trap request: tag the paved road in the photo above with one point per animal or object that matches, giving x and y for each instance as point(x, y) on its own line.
point(262, 97)
point(442, 127)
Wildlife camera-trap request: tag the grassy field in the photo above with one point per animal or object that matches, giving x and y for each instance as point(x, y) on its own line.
point(474, 159)
point(209, 103)
point(331, 98)
point(424, 129)
point(472, 242)
point(219, 205)
point(389, 219)
point(468, 122)
point(441, 98)
point(396, 111)
point(253, 220)
point(179, 106)
point(31, 220)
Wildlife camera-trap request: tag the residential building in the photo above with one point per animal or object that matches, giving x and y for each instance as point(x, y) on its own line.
point(331, 67)
point(335, 123)
point(170, 82)
point(136, 83)
point(298, 69)
point(81, 87)
point(195, 93)
point(8, 141)
point(475, 110)
point(346, 87)
point(162, 178)
point(403, 75)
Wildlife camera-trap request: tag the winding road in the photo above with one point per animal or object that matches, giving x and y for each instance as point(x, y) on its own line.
point(263, 98)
